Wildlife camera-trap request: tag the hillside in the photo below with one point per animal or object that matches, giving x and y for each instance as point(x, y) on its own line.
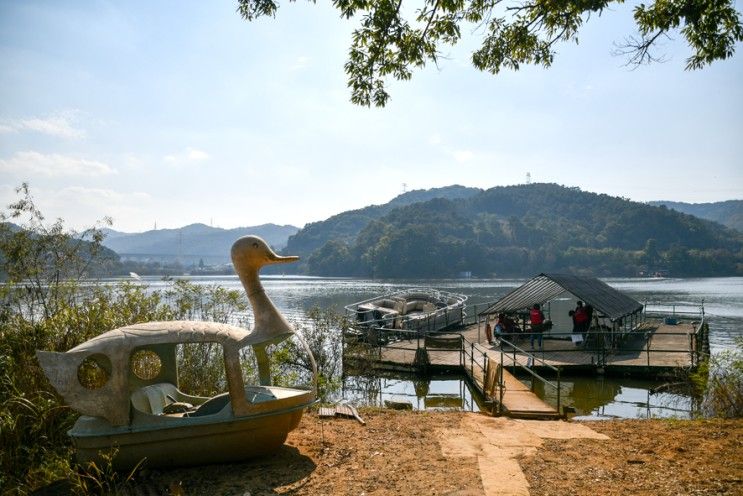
point(728, 213)
point(17, 243)
point(346, 226)
point(192, 242)
point(526, 229)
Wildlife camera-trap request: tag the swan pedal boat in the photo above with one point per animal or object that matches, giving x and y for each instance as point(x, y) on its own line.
point(138, 414)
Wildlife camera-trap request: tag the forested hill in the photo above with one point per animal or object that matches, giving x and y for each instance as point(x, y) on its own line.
point(728, 213)
point(346, 226)
point(527, 229)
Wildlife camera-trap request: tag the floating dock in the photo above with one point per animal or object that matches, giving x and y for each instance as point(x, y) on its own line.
point(654, 349)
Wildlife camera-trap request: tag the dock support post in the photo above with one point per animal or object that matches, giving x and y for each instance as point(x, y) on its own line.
point(559, 387)
point(501, 386)
point(472, 359)
point(647, 348)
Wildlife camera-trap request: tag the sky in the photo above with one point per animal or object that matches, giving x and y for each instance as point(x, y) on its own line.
point(169, 113)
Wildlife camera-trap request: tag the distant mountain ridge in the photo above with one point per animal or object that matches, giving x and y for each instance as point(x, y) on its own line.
point(192, 242)
point(728, 213)
point(517, 231)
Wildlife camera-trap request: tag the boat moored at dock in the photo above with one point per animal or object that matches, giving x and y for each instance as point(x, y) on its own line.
point(420, 309)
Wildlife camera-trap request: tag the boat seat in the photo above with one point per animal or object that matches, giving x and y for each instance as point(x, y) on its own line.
point(153, 398)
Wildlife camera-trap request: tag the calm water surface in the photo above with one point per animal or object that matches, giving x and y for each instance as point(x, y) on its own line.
point(590, 396)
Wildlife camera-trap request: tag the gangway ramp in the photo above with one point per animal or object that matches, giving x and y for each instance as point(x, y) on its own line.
point(516, 400)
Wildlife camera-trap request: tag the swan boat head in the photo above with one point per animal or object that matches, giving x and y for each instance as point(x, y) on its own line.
point(249, 254)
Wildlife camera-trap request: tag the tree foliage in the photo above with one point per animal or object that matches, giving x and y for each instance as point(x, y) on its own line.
point(45, 258)
point(392, 40)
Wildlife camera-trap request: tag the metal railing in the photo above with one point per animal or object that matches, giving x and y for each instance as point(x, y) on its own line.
point(531, 360)
point(603, 346)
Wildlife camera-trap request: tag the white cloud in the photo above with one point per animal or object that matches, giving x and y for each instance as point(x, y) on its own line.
point(97, 197)
point(300, 63)
point(462, 156)
point(61, 125)
point(189, 155)
point(52, 165)
point(82, 207)
point(195, 155)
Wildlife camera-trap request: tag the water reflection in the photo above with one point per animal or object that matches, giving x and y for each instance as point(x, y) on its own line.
point(590, 397)
point(611, 397)
point(436, 393)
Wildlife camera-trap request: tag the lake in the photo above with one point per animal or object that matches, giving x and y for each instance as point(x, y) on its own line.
point(590, 396)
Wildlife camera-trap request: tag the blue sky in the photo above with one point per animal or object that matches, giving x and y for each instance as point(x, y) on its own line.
point(181, 112)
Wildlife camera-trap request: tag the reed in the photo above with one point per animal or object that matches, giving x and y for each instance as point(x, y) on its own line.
point(720, 379)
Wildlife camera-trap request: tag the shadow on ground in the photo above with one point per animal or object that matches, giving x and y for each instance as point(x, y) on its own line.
point(284, 471)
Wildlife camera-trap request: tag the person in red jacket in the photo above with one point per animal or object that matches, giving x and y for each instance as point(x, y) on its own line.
point(536, 318)
point(582, 319)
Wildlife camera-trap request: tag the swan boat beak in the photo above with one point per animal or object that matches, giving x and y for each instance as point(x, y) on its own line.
point(278, 259)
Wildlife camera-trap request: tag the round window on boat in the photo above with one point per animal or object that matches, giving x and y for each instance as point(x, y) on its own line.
point(94, 371)
point(146, 364)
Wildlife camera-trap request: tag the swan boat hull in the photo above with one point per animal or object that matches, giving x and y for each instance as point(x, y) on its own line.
point(170, 440)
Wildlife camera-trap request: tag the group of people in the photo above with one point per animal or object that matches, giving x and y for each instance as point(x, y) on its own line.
point(504, 325)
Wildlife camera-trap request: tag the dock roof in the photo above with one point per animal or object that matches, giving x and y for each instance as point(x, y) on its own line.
point(607, 300)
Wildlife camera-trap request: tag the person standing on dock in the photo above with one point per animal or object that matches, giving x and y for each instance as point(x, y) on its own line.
point(536, 316)
point(582, 319)
point(488, 330)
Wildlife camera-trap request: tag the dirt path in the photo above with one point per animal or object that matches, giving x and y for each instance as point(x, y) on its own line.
point(412, 453)
point(499, 443)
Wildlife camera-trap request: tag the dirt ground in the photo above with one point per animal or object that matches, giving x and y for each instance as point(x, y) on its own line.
point(422, 453)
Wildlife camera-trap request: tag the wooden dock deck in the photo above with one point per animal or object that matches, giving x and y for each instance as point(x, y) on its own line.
point(661, 347)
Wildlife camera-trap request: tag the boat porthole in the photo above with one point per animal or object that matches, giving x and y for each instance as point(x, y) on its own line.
point(146, 364)
point(94, 371)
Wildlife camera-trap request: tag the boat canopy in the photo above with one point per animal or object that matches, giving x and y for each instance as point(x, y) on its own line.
point(612, 303)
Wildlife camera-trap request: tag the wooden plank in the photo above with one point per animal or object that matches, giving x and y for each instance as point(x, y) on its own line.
point(349, 411)
point(326, 412)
